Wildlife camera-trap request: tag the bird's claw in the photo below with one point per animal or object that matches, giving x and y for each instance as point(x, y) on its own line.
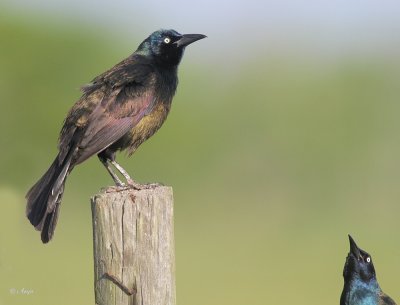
point(131, 184)
point(115, 188)
point(137, 186)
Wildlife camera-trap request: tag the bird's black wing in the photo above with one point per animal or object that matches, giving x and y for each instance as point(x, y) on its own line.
point(134, 69)
point(109, 108)
point(115, 116)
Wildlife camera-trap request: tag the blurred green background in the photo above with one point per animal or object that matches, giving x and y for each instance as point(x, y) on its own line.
point(283, 138)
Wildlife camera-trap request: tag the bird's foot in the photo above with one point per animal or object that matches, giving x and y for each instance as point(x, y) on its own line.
point(137, 186)
point(116, 188)
point(131, 184)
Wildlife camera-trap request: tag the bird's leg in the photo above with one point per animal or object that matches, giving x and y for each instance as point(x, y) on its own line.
point(130, 181)
point(124, 173)
point(107, 157)
point(121, 170)
point(114, 176)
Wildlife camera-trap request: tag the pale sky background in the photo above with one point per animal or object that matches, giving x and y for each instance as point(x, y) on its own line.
point(320, 27)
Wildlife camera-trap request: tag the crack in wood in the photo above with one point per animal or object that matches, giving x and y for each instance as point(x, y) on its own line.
point(117, 282)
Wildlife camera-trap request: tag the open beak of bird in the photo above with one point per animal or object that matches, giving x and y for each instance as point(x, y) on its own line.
point(187, 39)
point(354, 249)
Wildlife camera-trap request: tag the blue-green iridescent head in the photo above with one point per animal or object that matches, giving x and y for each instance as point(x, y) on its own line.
point(167, 46)
point(358, 264)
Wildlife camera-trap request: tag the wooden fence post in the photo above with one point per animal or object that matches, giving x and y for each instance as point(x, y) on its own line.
point(133, 245)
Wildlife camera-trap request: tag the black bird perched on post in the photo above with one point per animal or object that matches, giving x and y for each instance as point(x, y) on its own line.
point(119, 109)
point(360, 284)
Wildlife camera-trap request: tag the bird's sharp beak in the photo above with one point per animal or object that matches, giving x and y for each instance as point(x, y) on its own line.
point(354, 248)
point(187, 39)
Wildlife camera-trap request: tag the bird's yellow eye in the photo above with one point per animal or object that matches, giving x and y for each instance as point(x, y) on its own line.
point(167, 40)
point(368, 259)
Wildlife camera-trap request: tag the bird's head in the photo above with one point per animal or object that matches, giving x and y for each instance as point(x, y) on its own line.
point(167, 46)
point(358, 264)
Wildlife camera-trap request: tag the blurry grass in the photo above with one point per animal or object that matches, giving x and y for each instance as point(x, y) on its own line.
point(272, 162)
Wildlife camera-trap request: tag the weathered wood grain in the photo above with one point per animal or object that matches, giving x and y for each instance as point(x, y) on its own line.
point(133, 244)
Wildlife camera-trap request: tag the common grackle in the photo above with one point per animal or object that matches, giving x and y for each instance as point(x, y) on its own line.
point(360, 284)
point(118, 110)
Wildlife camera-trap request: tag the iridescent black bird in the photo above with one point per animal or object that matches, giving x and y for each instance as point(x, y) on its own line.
point(119, 109)
point(360, 284)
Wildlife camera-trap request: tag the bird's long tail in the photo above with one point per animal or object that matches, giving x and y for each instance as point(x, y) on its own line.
point(44, 198)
